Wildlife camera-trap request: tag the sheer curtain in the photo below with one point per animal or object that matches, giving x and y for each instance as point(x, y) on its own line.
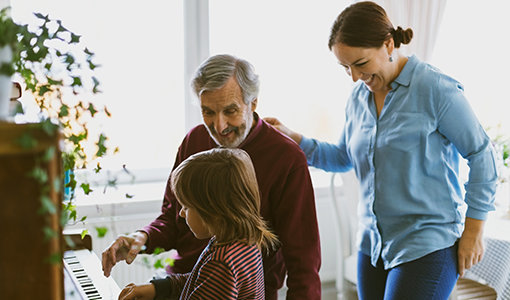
point(423, 17)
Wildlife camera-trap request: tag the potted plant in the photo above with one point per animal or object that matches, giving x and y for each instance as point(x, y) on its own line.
point(59, 75)
point(502, 146)
point(501, 143)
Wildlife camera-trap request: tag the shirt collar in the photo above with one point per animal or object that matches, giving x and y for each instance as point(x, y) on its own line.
point(404, 78)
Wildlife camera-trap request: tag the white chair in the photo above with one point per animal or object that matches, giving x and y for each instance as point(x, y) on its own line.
point(344, 195)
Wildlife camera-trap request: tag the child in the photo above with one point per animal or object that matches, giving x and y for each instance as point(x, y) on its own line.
point(220, 200)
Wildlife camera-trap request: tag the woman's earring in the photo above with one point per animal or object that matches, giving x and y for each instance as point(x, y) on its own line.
point(391, 58)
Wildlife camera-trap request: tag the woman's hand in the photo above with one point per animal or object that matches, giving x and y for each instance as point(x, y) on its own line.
point(471, 245)
point(139, 292)
point(283, 129)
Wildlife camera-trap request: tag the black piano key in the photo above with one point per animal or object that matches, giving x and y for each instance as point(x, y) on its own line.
point(78, 264)
point(83, 279)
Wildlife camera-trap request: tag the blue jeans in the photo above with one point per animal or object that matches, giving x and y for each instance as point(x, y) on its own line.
point(431, 277)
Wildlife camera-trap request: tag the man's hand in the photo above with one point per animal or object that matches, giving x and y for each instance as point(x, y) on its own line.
point(471, 245)
point(139, 292)
point(126, 247)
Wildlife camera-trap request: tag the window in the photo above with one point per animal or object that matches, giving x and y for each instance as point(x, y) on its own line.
point(139, 47)
point(141, 52)
point(287, 43)
point(472, 47)
point(302, 84)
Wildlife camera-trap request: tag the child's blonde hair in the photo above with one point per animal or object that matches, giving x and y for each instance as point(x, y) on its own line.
point(220, 184)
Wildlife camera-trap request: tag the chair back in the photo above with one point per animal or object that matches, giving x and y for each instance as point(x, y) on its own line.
point(344, 192)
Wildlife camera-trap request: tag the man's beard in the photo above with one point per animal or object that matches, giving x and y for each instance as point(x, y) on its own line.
point(240, 134)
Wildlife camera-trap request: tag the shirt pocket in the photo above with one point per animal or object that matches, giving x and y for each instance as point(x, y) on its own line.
point(359, 141)
point(404, 131)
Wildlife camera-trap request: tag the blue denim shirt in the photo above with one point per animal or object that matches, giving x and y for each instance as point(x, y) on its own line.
point(407, 163)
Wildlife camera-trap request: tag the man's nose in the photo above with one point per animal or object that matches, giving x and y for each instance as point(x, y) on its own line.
point(221, 123)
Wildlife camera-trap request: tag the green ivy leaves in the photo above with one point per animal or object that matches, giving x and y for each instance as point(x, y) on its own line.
point(46, 58)
point(101, 231)
point(159, 261)
point(8, 37)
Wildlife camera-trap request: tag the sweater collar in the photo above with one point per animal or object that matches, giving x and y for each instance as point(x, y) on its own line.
point(254, 131)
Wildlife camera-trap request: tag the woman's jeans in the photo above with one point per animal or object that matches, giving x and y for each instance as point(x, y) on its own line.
point(431, 277)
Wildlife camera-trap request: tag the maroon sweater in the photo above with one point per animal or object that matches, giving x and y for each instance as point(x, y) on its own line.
point(287, 203)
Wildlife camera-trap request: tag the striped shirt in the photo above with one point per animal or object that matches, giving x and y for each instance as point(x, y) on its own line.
point(232, 271)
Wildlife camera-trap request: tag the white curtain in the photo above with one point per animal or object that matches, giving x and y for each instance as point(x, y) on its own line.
point(423, 17)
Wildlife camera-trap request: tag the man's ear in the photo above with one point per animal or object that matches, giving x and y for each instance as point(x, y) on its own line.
point(254, 104)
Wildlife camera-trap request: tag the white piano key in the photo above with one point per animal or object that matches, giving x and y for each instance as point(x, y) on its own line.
point(84, 268)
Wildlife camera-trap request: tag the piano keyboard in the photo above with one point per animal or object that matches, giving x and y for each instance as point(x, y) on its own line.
point(84, 279)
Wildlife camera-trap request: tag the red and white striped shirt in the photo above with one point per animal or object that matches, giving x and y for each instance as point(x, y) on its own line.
point(232, 271)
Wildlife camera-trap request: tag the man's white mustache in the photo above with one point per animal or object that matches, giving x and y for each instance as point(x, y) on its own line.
point(228, 130)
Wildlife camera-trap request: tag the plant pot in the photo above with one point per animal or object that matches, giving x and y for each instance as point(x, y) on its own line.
point(68, 192)
point(5, 84)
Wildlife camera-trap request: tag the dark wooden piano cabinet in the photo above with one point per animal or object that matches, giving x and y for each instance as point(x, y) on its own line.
point(24, 270)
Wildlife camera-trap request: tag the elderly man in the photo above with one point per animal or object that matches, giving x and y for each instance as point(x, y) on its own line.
point(227, 88)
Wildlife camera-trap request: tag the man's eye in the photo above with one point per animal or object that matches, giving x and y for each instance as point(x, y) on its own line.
point(207, 112)
point(230, 111)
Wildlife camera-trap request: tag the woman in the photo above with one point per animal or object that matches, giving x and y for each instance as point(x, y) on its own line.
point(406, 124)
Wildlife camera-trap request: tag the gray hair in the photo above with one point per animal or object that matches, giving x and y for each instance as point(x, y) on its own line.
point(214, 73)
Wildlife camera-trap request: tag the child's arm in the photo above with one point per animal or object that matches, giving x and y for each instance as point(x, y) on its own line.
point(140, 292)
point(171, 286)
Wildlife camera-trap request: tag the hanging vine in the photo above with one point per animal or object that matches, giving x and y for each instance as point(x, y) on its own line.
point(60, 76)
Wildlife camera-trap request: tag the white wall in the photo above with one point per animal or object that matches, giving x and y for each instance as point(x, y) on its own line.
point(4, 3)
